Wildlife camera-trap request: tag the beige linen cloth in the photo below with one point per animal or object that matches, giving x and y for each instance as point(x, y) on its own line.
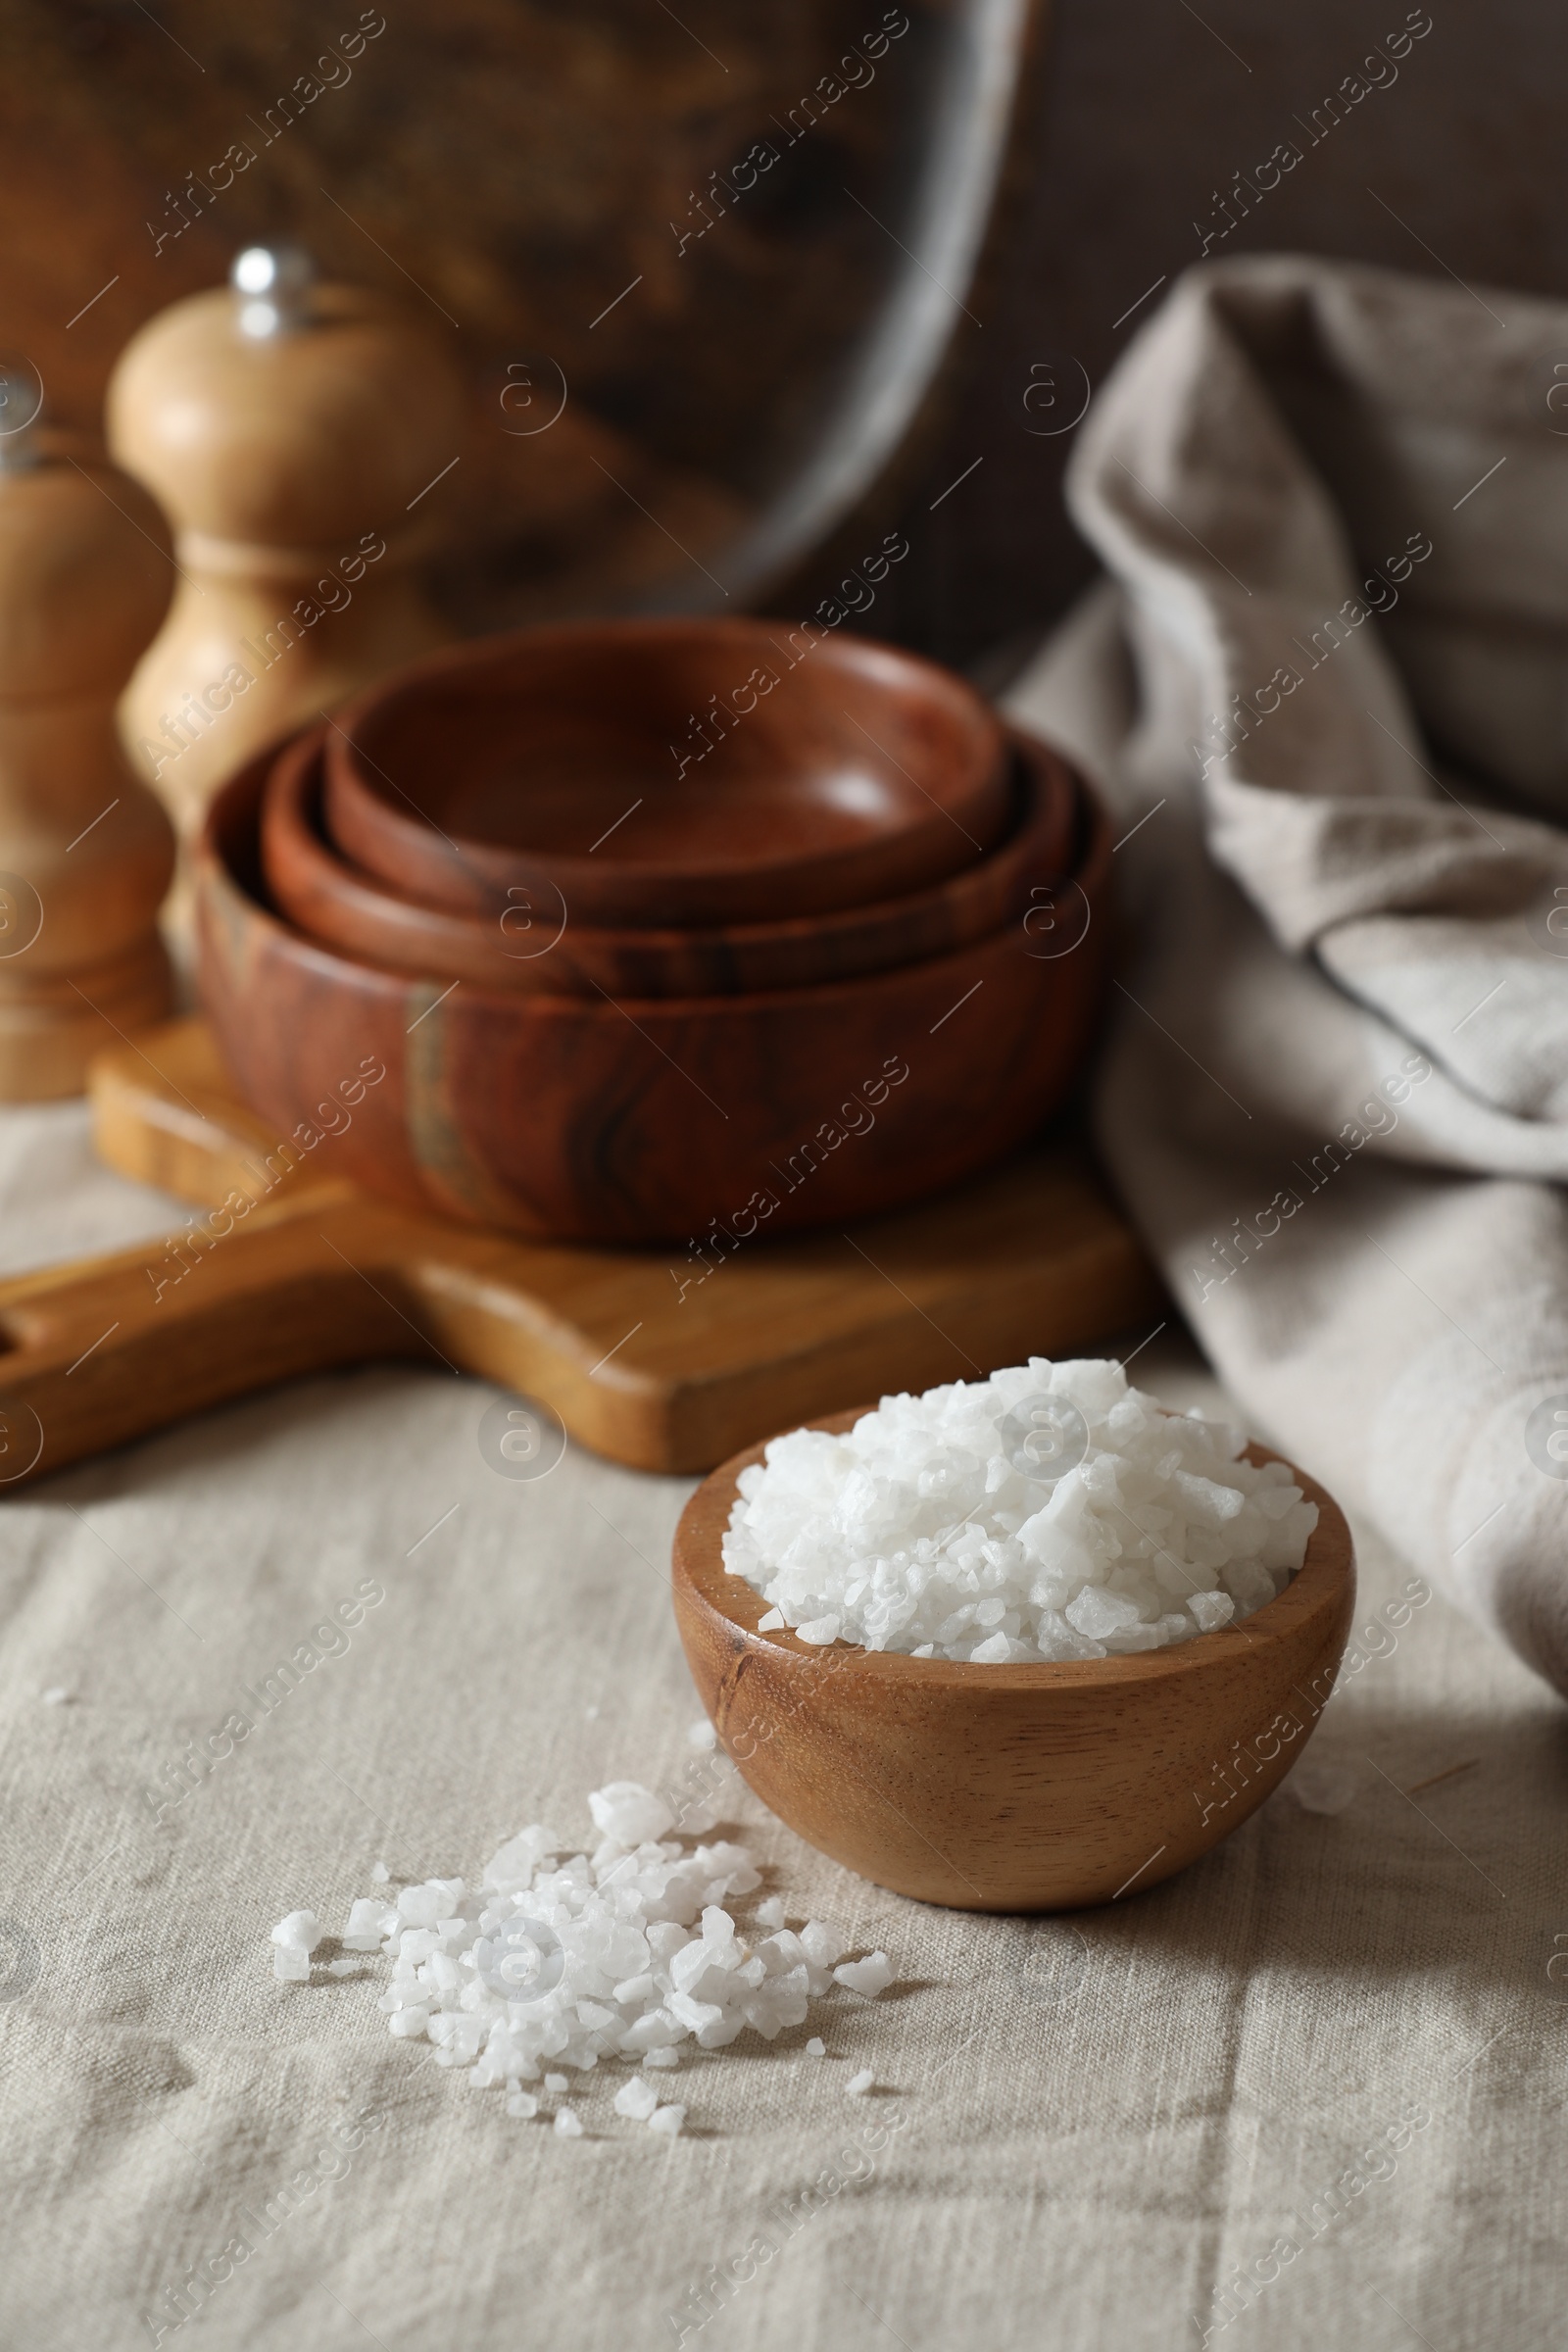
point(1333, 685)
point(1305, 2099)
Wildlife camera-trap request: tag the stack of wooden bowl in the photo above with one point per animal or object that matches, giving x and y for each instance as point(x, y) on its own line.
point(659, 930)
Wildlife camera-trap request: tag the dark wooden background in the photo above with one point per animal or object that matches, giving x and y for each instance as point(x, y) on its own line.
point(1145, 112)
point(510, 162)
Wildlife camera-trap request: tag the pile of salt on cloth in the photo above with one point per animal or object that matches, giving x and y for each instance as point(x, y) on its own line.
point(626, 1954)
point(1049, 1512)
point(1329, 672)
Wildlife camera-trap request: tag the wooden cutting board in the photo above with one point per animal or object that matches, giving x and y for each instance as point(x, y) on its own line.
point(662, 1359)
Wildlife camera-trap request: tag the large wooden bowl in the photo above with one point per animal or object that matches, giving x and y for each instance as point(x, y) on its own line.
point(1011, 1788)
point(686, 1118)
point(650, 773)
point(532, 951)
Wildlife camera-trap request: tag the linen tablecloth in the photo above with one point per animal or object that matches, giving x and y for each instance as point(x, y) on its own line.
point(1308, 2094)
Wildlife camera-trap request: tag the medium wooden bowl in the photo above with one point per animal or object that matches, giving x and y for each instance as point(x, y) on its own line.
point(530, 951)
point(641, 769)
point(1011, 1788)
point(653, 1119)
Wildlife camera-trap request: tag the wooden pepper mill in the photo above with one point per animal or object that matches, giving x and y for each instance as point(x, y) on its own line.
point(302, 437)
point(85, 851)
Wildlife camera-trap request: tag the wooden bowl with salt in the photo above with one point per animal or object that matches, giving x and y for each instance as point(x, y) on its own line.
point(1033, 1788)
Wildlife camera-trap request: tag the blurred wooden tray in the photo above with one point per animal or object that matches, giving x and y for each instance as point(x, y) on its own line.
point(644, 1359)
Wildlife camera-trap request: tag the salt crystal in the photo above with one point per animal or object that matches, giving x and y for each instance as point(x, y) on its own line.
point(342, 1967)
point(521, 2103)
point(301, 1929)
point(870, 1976)
point(772, 1623)
point(637, 2100)
point(815, 2048)
point(858, 2084)
point(1320, 1786)
point(291, 1965)
point(56, 1695)
point(702, 1734)
point(770, 1914)
point(667, 2120)
point(821, 1943)
point(666, 2057)
point(1051, 1512)
point(380, 1873)
point(630, 1814)
point(1211, 1609)
point(567, 2125)
point(370, 1922)
point(556, 2082)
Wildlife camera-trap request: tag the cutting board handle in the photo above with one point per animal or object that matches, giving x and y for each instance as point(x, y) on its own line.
point(100, 1351)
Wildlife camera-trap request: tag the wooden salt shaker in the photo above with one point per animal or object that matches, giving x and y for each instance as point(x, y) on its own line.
point(301, 436)
point(85, 851)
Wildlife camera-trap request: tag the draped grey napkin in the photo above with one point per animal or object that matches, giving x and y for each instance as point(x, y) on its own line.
point(1329, 688)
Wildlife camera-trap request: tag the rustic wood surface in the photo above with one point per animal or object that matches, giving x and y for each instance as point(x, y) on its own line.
point(1044, 1787)
point(644, 1358)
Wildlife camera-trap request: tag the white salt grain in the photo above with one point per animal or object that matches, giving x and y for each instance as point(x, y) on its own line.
point(870, 1976)
point(661, 2058)
point(521, 2103)
point(342, 1967)
point(380, 1873)
point(637, 2100)
point(1322, 1787)
point(56, 1695)
point(301, 1930)
point(702, 1734)
point(858, 2084)
point(567, 2125)
point(667, 2120)
point(556, 2082)
point(1049, 1512)
point(630, 1814)
point(815, 2048)
point(770, 1914)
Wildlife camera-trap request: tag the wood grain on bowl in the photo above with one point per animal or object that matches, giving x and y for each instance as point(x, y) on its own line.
point(524, 951)
point(652, 1119)
point(1041, 1787)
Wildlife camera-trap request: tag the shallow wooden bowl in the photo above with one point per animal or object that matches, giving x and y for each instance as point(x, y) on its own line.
point(653, 1118)
point(528, 949)
point(646, 773)
point(1011, 1788)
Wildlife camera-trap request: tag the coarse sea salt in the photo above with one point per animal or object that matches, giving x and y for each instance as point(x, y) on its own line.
point(628, 1955)
point(1049, 1512)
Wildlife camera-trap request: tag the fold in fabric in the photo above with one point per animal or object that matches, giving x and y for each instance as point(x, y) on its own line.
point(1330, 675)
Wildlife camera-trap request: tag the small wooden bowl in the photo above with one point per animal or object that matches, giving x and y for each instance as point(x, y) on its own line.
point(527, 950)
point(641, 771)
point(1011, 1788)
point(652, 1119)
